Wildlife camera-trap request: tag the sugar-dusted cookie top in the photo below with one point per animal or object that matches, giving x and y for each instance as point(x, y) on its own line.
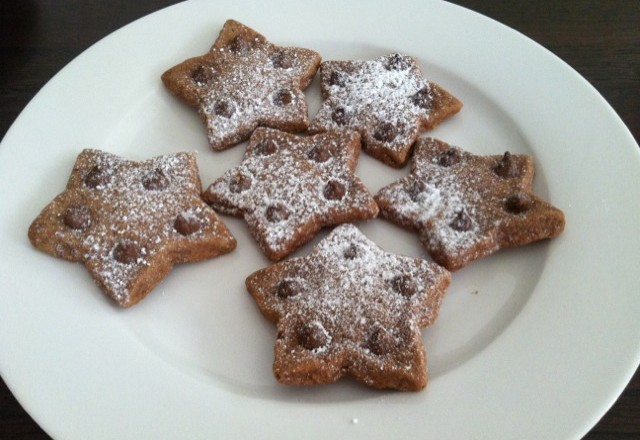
point(244, 82)
point(350, 308)
point(288, 187)
point(387, 100)
point(466, 206)
point(130, 222)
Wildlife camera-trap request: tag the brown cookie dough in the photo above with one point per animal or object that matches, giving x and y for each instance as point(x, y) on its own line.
point(466, 206)
point(288, 187)
point(244, 82)
point(130, 222)
point(350, 308)
point(386, 100)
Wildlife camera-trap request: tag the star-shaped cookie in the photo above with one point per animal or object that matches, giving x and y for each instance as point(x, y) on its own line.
point(387, 100)
point(130, 222)
point(288, 187)
point(350, 308)
point(244, 82)
point(466, 206)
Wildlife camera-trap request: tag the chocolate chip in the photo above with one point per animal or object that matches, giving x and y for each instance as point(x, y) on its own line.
point(404, 285)
point(77, 217)
point(277, 213)
point(265, 148)
point(519, 203)
point(156, 180)
point(282, 60)
point(397, 62)
point(287, 288)
point(283, 97)
point(385, 132)
point(449, 157)
point(186, 224)
point(96, 177)
point(319, 153)
point(340, 116)
point(239, 45)
point(312, 336)
point(334, 190)
point(224, 109)
point(423, 99)
point(506, 167)
point(201, 75)
point(461, 222)
point(239, 183)
point(351, 252)
point(381, 341)
point(337, 78)
point(126, 252)
point(414, 188)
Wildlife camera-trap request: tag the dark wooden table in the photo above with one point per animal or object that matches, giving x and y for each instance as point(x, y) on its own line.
point(600, 39)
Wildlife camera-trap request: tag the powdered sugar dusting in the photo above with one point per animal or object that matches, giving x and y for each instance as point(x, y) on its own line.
point(370, 93)
point(347, 272)
point(437, 205)
point(465, 206)
point(244, 82)
point(370, 303)
point(356, 287)
point(286, 197)
point(255, 92)
point(135, 211)
point(431, 197)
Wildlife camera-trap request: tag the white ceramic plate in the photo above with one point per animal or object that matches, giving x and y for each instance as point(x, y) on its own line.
point(534, 343)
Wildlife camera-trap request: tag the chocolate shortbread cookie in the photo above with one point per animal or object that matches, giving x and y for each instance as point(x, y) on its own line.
point(288, 187)
point(244, 82)
point(466, 206)
point(350, 308)
point(130, 222)
point(386, 100)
